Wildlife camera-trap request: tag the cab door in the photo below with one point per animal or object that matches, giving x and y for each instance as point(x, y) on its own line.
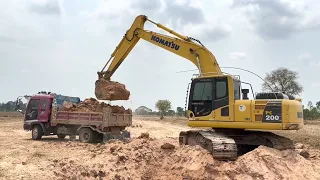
point(32, 112)
point(201, 95)
point(210, 96)
point(44, 110)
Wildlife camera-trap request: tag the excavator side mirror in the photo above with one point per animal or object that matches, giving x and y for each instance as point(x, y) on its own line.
point(245, 93)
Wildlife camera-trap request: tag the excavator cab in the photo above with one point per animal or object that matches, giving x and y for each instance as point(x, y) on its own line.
point(213, 97)
point(208, 94)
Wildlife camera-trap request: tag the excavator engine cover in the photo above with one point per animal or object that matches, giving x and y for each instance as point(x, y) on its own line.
point(110, 90)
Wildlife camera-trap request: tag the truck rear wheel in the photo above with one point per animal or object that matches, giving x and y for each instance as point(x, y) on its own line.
point(61, 136)
point(37, 132)
point(87, 135)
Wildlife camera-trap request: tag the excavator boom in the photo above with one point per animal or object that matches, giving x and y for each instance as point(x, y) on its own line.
point(181, 45)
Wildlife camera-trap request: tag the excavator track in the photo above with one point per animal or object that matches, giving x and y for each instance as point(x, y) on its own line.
point(277, 142)
point(220, 146)
point(229, 144)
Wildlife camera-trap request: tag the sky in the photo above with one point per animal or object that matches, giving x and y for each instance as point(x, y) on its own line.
point(60, 45)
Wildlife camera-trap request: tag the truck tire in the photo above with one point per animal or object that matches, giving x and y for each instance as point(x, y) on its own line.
point(87, 135)
point(126, 134)
point(61, 136)
point(37, 132)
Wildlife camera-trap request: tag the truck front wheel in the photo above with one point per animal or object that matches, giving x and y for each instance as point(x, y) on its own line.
point(37, 132)
point(87, 135)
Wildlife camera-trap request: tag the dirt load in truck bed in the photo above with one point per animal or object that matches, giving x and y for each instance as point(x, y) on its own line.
point(111, 90)
point(93, 105)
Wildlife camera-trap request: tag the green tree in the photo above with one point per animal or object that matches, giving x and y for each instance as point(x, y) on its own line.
point(283, 80)
point(306, 114)
point(171, 112)
point(312, 112)
point(163, 106)
point(310, 106)
point(143, 110)
point(318, 105)
point(180, 111)
point(10, 106)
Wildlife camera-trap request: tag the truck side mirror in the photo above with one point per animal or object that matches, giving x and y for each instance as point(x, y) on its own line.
point(17, 106)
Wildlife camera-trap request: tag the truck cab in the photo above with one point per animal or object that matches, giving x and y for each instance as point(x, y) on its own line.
point(38, 114)
point(38, 111)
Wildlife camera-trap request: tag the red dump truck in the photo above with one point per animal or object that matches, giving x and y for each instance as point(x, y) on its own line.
point(43, 118)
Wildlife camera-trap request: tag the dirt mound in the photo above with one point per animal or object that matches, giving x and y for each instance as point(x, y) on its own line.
point(147, 159)
point(93, 105)
point(268, 163)
point(111, 90)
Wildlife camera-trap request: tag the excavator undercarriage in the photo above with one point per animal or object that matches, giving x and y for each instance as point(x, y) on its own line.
point(228, 144)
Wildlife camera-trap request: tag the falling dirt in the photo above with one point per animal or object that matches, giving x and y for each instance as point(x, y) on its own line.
point(111, 90)
point(152, 153)
point(93, 105)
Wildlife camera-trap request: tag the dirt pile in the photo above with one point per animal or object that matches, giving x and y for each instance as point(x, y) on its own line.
point(93, 105)
point(111, 90)
point(268, 163)
point(148, 159)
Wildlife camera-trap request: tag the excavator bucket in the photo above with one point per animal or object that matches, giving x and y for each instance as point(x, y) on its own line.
point(110, 90)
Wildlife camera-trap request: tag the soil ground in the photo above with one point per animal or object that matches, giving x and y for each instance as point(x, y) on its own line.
point(146, 158)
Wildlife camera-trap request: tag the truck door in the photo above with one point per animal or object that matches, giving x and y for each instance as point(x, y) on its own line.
point(44, 110)
point(32, 112)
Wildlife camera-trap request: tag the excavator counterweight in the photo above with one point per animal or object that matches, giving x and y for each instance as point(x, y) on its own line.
point(216, 100)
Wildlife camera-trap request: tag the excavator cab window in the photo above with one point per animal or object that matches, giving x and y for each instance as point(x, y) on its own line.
point(201, 97)
point(207, 94)
point(202, 91)
point(237, 86)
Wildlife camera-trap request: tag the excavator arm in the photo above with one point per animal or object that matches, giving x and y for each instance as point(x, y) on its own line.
point(181, 45)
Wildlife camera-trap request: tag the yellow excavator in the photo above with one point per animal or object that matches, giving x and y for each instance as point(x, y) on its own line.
point(229, 123)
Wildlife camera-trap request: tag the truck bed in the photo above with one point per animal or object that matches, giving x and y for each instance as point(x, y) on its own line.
point(100, 120)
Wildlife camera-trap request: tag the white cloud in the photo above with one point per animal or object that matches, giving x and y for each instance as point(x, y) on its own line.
point(45, 7)
point(278, 19)
point(207, 32)
point(305, 56)
point(314, 64)
point(308, 59)
point(315, 85)
point(25, 71)
point(237, 55)
point(183, 16)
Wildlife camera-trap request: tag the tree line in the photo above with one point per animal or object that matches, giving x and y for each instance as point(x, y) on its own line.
point(312, 112)
point(10, 106)
point(164, 109)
